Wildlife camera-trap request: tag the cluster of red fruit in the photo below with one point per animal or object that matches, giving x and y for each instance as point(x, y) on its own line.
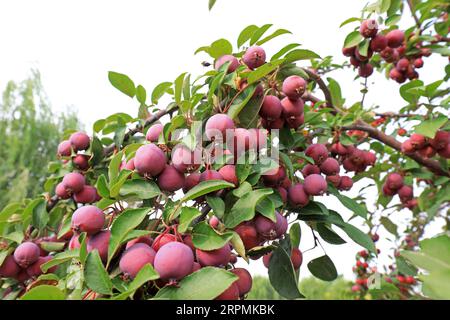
point(394, 184)
point(363, 272)
point(392, 49)
point(26, 261)
point(173, 255)
point(361, 269)
point(74, 184)
point(428, 148)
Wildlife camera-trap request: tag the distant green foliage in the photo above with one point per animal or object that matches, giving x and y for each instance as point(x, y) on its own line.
point(30, 132)
point(312, 288)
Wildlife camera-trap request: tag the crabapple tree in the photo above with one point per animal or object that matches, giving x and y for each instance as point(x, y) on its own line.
point(231, 165)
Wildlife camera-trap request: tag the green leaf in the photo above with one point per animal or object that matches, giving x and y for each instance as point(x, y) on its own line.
point(249, 116)
point(198, 285)
point(206, 187)
point(241, 101)
point(266, 208)
point(244, 208)
point(363, 47)
point(219, 48)
point(44, 292)
point(277, 33)
point(178, 85)
point(336, 93)
point(113, 170)
point(389, 225)
point(140, 188)
point(358, 236)
point(349, 203)
point(40, 216)
point(204, 237)
point(122, 225)
point(246, 34)
point(352, 39)
point(349, 20)
point(187, 215)
point(328, 234)
point(406, 94)
point(211, 4)
point(301, 54)
point(217, 205)
point(392, 20)
point(282, 274)
point(295, 234)
point(323, 268)
point(429, 127)
point(160, 90)
point(102, 186)
point(119, 181)
point(9, 210)
point(122, 83)
point(259, 33)
point(95, 275)
point(262, 71)
point(284, 50)
point(60, 258)
point(146, 274)
point(141, 94)
point(383, 6)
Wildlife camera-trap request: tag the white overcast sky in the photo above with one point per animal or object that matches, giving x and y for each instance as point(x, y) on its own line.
point(75, 43)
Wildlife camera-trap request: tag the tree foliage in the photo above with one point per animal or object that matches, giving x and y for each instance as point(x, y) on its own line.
point(30, 132)
point(143, 210)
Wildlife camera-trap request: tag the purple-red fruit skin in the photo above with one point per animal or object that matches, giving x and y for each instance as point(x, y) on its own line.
point(292, 108)
point(135, 258)
point(294, 87)
point(297, 195)
point(64, 148)
point(87, 195)
point(61, 191)
point(228, 173)
point(174, 261)
point(234, 63)
point(100, 242)
point(216, 127)
point(330, 167)
point(218, 257)
point(35, 269)
point(170, 179)
point(154, 132)
point(271, 107)
point(254, 57)
point(232, 293)
point(74, 182)
point(244, 282)
point(9, 268)
point(315, 185)
point(79, 141)
point(89, 219)
point(26, 254)
point(149, 160)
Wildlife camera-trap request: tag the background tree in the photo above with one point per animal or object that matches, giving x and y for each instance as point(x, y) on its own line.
point(136, 210)
point(30, 132)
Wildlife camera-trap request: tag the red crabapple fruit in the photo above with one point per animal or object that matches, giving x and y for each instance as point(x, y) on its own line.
point(174, 261)
point(89, 219)
point(135, 258)
point(26, 254)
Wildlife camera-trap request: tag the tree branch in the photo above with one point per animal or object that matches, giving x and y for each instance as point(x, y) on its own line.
point(205, 210)
point(413, 13)
point(108, 150)
point(376, 134)
point(326, 92)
